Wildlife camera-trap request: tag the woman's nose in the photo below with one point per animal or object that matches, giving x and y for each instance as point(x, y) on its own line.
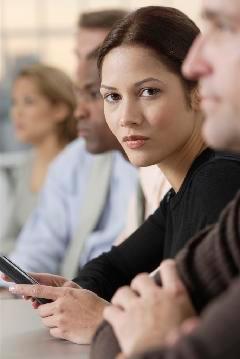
point(131, 115)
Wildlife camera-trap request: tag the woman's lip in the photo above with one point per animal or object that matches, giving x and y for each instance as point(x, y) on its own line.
point(133, 145)
point(82, 132)
point(134, 138)
point(135, 142)
point(19, 127)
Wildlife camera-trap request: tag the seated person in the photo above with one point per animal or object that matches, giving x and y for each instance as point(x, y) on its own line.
point(42, 110)
point(141, 80)
point(45, 243)
point(5, 195)
point(147, 318)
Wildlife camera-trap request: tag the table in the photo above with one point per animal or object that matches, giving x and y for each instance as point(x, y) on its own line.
point(22, 335)
point(5, 294)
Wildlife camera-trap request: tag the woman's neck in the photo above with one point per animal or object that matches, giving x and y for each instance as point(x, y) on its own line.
point(44, 153)
point(175, 167)
point(47, 149)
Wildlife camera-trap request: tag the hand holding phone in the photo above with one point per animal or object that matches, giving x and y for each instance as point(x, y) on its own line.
point(18, 275)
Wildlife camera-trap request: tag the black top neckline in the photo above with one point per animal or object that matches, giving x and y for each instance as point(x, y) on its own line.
point(203, 157)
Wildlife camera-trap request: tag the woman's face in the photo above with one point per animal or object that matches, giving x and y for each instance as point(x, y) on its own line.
point(145, 105)
point(34, 116)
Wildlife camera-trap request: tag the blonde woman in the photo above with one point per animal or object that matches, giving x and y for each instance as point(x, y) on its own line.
point(43, 104)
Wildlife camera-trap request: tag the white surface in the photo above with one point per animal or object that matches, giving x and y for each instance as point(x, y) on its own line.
point(22, 335)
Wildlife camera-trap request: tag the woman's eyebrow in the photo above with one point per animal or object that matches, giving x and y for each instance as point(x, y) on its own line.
point(148, 79)
point(139, 83)
point(108, 87)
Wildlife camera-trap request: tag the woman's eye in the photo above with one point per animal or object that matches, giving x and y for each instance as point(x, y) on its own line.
point(28, 100)
point(147, 92)
point(112, 97)
point(224, 26)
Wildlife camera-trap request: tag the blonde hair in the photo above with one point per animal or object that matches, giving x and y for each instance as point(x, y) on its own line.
point(57, 87)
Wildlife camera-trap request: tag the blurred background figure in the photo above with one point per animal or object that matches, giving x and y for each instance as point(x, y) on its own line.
point(42, 110)
point(82, 207)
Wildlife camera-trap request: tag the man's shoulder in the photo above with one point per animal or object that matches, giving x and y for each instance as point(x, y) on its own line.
point(123, 171)
point(216, 180)
point(121, 165)
point(220, 166)
point(73, 153)
point(70, 167)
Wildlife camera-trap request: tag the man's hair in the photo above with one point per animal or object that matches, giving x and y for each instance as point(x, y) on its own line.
point(93, 55)
point(102, 19)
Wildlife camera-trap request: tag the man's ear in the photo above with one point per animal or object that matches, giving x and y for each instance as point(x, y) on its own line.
point(195, 100)
point(61, 112)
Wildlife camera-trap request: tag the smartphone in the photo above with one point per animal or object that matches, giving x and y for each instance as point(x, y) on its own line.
point(155, 275)
point(18, 275)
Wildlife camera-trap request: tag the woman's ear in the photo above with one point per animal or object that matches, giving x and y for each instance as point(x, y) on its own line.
point(61, 112)
point(195, 100)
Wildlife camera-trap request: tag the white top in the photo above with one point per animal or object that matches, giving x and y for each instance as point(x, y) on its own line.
point(16, 198)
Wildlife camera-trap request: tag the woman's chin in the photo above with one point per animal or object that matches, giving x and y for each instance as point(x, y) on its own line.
point(22, 138)
point(140, 161)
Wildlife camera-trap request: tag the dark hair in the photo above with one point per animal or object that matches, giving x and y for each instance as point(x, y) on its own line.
point(165, 30)
point(104, 19)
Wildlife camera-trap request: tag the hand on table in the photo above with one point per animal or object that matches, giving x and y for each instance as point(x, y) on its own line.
point(144, 314)
point(74, 313)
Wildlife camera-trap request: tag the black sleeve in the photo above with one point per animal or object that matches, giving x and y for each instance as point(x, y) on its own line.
point(141, 252)
point(215, 185)
point(216, 337)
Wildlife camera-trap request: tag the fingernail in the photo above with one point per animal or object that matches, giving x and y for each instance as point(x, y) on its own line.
point(12, 289)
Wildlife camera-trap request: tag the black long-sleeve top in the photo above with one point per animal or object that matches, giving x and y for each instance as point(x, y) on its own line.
point(210, 184)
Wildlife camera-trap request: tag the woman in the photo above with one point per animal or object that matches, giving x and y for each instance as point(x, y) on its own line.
point(154, 112)
point(42, 111)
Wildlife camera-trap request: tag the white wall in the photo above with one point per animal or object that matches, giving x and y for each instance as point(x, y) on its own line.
point(190, 7)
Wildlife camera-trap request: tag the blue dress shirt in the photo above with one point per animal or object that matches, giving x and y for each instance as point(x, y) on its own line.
point(43, 241)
